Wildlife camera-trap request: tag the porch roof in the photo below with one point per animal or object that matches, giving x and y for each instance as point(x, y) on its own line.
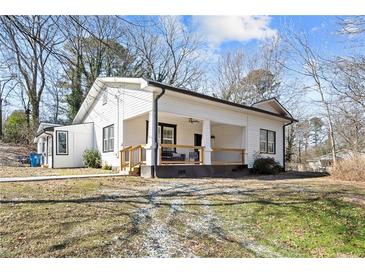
point(144, 83)
point(286, 116)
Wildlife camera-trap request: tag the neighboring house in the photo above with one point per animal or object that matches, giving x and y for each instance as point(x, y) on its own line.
point(324, 162)
point(159, 130)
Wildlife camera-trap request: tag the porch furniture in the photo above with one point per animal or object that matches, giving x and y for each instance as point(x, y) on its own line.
point(172, 156)
point(194, 153)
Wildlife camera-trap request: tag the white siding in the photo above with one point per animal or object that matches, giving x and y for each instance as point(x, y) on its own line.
point(114, 112)
point(227, 136)
point(80, 137)
point(256, 123)
point(135, 130)
point(266, 106)
point(190, 107)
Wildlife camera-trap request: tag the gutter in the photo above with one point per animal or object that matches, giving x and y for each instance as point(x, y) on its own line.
point(291, 122)
point(155, 145)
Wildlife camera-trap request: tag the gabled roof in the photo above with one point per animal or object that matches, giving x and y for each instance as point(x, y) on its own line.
point(274, 104)
point(145, 83)
point(44, 126)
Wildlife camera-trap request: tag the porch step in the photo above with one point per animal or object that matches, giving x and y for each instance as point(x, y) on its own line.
point(134, 171)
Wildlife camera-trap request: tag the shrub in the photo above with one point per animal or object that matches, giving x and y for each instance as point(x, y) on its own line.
point(106, 166)
point(92, 158)
point(350, 169)
point(16, 128)
point(266, 166)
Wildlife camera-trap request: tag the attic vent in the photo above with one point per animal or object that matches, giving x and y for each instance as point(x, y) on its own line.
point(105, 97)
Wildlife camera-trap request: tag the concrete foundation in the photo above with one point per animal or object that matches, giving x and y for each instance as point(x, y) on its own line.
point(196, 171)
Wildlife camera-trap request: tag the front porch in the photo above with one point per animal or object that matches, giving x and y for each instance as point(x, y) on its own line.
point(186, 147)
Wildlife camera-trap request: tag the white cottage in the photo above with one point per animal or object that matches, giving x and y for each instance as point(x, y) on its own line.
point(146, 127)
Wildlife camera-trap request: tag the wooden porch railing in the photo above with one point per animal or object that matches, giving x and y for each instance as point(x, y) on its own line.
point(170, 154)
point(181, 154)
point(236, 156)
point(132, 156)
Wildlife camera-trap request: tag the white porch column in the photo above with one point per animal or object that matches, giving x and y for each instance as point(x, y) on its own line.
point(150, 149)
point(245, 143)
point(206, 138)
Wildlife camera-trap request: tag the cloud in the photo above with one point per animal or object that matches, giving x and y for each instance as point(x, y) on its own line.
point(218, 29)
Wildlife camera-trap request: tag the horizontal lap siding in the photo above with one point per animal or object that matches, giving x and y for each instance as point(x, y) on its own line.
point(256, 123)
point(200, 110)
point(131, 103)
point(80, 138)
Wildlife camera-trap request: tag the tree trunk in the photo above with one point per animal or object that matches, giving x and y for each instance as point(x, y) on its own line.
point(35, 114)
point(1, 118)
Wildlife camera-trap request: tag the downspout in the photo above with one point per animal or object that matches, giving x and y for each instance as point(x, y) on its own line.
point(284, 142)
point(118, 125)
point(155, 145)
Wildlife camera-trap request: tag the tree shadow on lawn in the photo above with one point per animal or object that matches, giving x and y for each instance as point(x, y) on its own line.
point(277, 196)
point(240, 195)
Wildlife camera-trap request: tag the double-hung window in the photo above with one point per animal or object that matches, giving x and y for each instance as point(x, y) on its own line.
point(267, 141)
point(61, 142)
point(108, 138)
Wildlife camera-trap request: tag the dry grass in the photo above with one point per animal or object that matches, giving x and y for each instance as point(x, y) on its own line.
point(6, 171)
point(350, 170)
point(262, 216)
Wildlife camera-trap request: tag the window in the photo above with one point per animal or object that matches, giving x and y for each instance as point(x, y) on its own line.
point(105, 97)
point(166, 133)
point(108, 138)
point(61, 142)
point(267, 141)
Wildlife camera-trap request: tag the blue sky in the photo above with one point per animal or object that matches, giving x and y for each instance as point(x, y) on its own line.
point(321, 30)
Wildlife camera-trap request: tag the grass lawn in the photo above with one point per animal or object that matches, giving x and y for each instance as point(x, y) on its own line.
point(135, 217)
point(21, 171)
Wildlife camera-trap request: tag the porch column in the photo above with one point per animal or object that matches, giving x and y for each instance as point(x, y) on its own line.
point(150, 139)
point(206, 138)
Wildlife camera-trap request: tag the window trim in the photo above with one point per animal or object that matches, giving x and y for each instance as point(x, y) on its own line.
point(57, 142)
point(162, 125)
point(106, 151)
point(267, 141)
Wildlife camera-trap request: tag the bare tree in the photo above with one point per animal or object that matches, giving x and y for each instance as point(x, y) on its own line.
point(351, 25)
point(311, 66)
point(230, 72)
point(167, 51)
point(30, 42)
point(247, 80)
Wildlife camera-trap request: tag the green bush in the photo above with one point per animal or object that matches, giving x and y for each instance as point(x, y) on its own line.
point(266, 166)
point(16, 128)
point(92, 158)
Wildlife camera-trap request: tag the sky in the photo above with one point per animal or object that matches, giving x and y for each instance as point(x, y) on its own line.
point(225, 33)
point(228, 32)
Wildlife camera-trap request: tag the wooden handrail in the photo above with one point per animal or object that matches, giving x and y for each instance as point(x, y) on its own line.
point(131, 163)
point(227, 149)
point(180, 146)
point(223, 149)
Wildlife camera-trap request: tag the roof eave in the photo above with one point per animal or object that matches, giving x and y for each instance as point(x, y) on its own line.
point(203, 96)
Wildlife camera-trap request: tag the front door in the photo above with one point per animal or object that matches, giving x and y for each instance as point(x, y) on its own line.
point(197, 142)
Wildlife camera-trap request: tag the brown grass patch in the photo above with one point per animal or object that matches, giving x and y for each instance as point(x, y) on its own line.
point(350, 170)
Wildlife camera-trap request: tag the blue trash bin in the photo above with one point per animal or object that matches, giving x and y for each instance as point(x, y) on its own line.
point(35, 159)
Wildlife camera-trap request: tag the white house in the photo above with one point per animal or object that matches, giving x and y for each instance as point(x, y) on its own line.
point(147, 127)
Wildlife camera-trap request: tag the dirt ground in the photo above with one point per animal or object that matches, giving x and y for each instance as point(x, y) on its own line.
point(264, 216)
point(9, 154)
